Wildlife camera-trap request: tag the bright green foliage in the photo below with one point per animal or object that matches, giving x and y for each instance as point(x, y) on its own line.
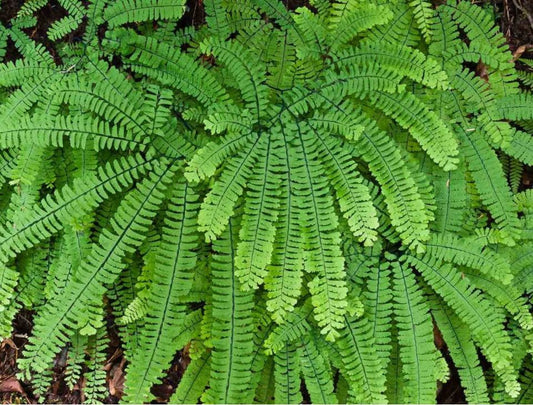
point(299, 200)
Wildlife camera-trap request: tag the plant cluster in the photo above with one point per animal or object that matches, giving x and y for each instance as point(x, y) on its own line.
point(292, 195)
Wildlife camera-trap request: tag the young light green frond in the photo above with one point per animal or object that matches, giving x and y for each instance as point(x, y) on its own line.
point(318, 225)
point(232, 327)
point(415, 336)
point(129, 11)
point(405, 206)
point(284, 280)
point(462, 351)
point(424, 15)
point(293, 328)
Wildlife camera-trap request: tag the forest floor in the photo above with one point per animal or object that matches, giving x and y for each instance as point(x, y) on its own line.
point(515, 18)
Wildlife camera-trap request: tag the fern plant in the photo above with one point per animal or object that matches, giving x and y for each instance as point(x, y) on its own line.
point(290, 194)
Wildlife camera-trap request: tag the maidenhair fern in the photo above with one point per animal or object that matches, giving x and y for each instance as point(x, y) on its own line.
point(301, 198)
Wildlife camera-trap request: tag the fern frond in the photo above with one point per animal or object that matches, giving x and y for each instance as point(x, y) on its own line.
point(315, 370)
point(429, 131)
point(495, 194)
point(450, 198)
point(79, 308)
point(365, 373)
point(95, 377)
point(464, 252)
point(70, 202)
point(250, 76)
point(323, 255)
point(401, 195)
point(520, 147)
point(410, 62)
point(218, 205)
point(295, 326)
point(287, 375)
point(377, 300)
point(166, 320)
point(462, 351)
point(284, 279)
point(415, 335)
point(258, 225)
point(357, 20)
point(353, 196)
point(475, 310)
point(508, 296)
point(232, 327)
point(193, 381)
point(424, 16)
point(129, 11)
point(515, 107)
point(81, 131)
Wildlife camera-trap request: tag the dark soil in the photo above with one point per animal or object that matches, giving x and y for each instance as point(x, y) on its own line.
point(516, 21)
